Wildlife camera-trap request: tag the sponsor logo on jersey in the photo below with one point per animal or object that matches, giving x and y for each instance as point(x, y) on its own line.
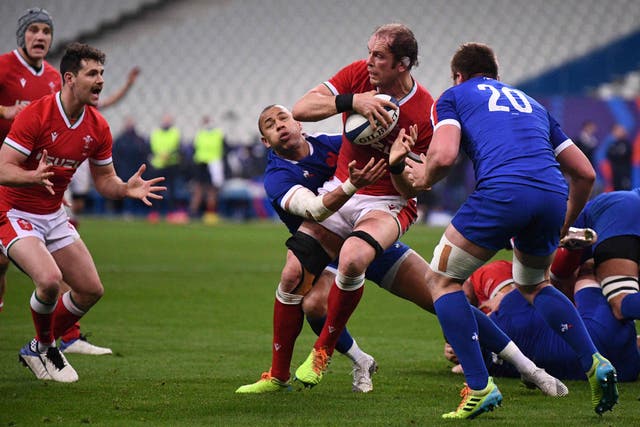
point(23, 82)
point(60, 162)
point(54, 135)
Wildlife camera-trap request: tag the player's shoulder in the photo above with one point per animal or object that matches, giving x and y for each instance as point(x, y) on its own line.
point(325, 141)
point(50, 69)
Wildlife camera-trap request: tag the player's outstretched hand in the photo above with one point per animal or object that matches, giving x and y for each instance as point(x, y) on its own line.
point(138, 188)
point(417, 175)
point(402, 145)
point(43, 172)
point(370, 173)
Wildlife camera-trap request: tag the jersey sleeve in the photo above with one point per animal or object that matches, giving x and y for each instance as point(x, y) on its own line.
point(342, 81)
point(559, 140)
point(443, 111)
point(277, 184)
point(102, 154)
point(24, 131)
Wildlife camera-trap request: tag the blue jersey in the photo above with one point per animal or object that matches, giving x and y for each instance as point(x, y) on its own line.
point(611, 215)
point(615, 339)
point(509, 137)
point(311, 172)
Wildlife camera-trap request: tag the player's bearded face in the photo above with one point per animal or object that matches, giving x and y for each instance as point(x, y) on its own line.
point(88, 82)
point(380, 63)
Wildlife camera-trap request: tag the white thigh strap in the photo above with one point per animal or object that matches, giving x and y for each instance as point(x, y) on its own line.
point(451, 261)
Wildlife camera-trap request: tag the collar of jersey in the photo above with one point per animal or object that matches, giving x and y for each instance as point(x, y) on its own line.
point(64, 115)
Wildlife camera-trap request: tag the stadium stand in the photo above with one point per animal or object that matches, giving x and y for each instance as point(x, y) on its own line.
point(229, 58)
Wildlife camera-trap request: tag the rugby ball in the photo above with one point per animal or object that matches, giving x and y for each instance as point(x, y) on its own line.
point(358, 130)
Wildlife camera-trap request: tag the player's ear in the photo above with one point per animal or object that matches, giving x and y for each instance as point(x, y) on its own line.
point(68, 77)
point(265, 142)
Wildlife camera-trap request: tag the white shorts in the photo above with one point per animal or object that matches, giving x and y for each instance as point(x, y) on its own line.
point(53, 229)
point(216, 172)
point(343, 222)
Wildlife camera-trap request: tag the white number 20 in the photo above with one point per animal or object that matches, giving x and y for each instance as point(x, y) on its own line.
point(515, 97)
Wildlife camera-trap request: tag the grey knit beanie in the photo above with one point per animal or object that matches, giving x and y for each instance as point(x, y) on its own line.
point(35, 14)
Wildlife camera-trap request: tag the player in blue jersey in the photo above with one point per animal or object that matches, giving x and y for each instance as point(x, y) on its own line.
point(299, 163)
point(519, 153)
point(617, 252)
point(615, 339)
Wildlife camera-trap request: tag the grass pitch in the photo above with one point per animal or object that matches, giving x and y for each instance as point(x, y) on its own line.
point(188, 312)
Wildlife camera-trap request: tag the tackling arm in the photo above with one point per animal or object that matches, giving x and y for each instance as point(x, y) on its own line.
point(303, 202)
point(581, 178)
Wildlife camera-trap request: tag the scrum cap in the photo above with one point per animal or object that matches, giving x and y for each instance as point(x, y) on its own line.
point(35, 14)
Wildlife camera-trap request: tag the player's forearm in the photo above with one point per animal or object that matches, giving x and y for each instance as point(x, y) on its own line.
point(314, 106)
point(111, 187)
point(303, 202)
point(14, 176)
point(579, 192)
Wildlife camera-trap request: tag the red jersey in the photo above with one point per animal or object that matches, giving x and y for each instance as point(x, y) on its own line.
point(20, 83)
point(415, 108)
point(44, 125)
point(490, 278)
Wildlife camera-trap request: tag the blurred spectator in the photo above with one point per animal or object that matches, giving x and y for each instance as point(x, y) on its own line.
point(130, 150)
point(587, 140)
point(208, 170)
point(165, 159)
point(619, 157)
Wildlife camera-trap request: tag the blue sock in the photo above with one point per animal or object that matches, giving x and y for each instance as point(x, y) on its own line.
point(561, 316)
point(630, 306)
point(461, 331)
point(492, 337)
point(345, 341)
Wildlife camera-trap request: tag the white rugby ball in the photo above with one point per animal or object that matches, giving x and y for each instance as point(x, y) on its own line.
point(358, 130)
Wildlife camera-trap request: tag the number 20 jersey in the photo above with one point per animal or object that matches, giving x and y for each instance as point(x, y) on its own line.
point(509, 136)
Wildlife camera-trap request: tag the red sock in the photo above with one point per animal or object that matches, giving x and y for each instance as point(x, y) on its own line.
point(42, 315)
point(63, 318)
point(287, 324)
point(341, 304)
point(42, 323)
point(566, 262)
point(72, 333)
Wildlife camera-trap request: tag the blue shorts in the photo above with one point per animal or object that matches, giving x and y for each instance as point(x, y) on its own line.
point(385, 263)
point(533, 217)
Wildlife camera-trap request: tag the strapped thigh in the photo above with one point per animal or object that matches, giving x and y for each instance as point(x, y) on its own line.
point(312, 257)
point(369, 239)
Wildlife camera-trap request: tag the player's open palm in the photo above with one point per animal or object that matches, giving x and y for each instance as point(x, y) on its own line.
point(139, 188)
point(43, 172)
point(370, 173)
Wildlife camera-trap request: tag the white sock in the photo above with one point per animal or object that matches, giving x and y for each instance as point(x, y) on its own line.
point(354, 353)
point(512, 354)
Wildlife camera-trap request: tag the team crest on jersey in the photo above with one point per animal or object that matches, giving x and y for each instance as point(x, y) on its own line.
point(87, 142)
point(52, 87)
point(24, 224)
point(23, 82)
point(306, 174)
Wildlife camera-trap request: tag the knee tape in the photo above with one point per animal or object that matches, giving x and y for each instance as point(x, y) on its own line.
point(452, 261)
point(349, 283)
point(616, 285)
point(527, 276)
point(288, 298)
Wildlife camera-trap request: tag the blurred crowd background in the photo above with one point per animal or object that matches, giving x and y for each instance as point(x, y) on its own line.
point(208, 67)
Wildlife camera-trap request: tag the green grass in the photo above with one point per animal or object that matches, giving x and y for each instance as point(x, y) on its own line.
point(188, 312)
